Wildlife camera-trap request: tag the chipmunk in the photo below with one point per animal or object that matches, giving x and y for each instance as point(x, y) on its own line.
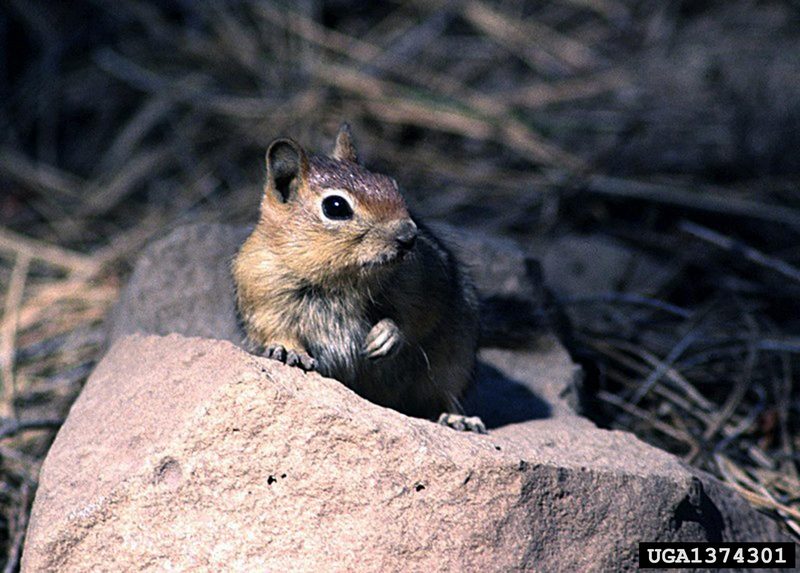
point(338, 277)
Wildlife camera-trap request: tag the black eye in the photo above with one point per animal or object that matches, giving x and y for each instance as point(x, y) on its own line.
point(337, 208)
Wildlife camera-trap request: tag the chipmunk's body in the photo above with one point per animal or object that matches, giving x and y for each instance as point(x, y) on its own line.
point(337, 276)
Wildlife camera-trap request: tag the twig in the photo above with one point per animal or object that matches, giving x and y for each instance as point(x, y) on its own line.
point(734, 398)
point(739, 248)
point(627, 298)
point(18, 527)
point(699, 200)
point(544, 93)
point(671, 374)
point(478, 116)
point(8, 332)
point(108, 194)
point(735, 477)
point(32, 174)
point(53, 255)
point(311, 31)
point(693, 409)
point(649, 418)
point(743, 425)
point(685, 410)
point(12, 428)
point(153, 111)
point(788, 344)
point(444, 116)
point(664, 366)
point(610, 9)
point(521, 35)
point(135, 75)
point(414, 38)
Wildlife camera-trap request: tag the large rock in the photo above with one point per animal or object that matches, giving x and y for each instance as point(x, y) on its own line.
point(191, 454)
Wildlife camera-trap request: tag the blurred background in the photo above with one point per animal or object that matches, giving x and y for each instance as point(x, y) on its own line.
point(648, 153)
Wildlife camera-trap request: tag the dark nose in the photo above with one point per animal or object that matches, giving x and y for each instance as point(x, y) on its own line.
point(406, 235)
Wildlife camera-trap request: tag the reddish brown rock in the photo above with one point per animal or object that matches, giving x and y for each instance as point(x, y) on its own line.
point(190, 454)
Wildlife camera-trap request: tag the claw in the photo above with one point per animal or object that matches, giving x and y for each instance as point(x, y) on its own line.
point(300, 359)
point(292, 359)
point(383, 339)
point(277, 352)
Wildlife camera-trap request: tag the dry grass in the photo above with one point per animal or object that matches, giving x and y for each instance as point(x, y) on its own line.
point(526, 119)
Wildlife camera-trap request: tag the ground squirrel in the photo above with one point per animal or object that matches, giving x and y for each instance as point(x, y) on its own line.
point(337, 276)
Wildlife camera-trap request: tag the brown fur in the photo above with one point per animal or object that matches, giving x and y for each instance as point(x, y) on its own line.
point(319, 287)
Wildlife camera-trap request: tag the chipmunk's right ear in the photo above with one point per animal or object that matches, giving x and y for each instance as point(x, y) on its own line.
point(287, 167)
point(345, 149)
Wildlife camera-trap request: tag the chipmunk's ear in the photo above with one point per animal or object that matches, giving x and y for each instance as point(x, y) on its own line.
point(345, 149)
point(287, 167)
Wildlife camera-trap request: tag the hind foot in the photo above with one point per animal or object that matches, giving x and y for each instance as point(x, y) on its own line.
point(463, 423)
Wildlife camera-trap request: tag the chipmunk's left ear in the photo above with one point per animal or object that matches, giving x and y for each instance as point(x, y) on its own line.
point(345, 149)
point(287, 169)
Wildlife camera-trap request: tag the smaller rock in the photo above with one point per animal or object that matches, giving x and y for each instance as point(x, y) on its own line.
point(183, 283)
point(578, 266)
point(515, 308)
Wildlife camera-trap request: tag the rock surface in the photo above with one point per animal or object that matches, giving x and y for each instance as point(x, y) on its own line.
point(182, 283)
point(585, 265)
point(191, 454)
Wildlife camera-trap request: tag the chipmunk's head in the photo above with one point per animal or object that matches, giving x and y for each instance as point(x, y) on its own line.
point(328, 217)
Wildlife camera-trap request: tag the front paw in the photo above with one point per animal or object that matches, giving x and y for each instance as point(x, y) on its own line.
point(301, 359)
point(383, 340)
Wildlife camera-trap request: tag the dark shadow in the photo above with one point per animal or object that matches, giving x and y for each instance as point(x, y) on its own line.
point(509, 322)
point(699, 508)
point(500, 400)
